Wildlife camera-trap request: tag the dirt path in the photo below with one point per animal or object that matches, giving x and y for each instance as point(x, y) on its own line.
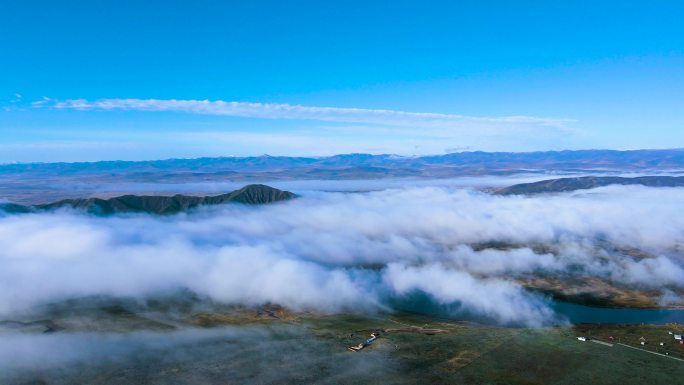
point(648, 351)
point(601, 342)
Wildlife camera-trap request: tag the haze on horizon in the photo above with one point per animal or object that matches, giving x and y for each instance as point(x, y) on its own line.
point(82, 81)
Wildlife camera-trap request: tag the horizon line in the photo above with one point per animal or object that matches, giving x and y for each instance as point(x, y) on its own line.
point(672, 149)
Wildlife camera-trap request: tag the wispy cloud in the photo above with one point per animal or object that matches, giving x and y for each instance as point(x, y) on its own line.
point(289, 111)
point(285, 129)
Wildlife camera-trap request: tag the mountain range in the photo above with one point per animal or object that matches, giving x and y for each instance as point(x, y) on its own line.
point(31, 183)
point(351, 166)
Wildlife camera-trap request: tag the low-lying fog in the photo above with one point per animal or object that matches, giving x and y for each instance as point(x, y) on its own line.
point(245, 355)
point(312, 185)
point(304, 186)
point(340, 252)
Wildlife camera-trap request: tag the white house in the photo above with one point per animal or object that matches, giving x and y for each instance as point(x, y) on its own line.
point(678, 337)
point(582, 338)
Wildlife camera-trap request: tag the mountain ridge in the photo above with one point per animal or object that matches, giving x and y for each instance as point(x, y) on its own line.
point(596, 158)
point(253, 194)
point(588, 182)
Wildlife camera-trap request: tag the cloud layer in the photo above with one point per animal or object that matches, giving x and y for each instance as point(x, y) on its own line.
point(337, 252)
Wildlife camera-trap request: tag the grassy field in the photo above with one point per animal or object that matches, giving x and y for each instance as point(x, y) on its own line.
point(476, 354)
point(272, 346)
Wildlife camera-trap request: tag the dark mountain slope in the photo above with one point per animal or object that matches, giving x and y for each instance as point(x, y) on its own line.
point(12, 208)
point(588, 182)
point(252, 194)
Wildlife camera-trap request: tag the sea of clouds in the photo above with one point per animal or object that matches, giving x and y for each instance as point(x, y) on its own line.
point(364, 252)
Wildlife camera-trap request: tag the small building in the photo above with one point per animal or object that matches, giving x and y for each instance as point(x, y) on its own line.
point(582, 338)
point(356, 348)
point(678, 337)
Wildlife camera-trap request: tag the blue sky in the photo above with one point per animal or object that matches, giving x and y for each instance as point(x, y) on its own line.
point(84, 80)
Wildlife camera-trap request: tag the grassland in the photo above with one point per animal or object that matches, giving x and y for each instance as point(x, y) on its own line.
point(273, 346)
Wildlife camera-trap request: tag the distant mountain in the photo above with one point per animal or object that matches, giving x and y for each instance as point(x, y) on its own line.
point(283, 167)
point(251, 194)
point(33, 182)
point(588, 182)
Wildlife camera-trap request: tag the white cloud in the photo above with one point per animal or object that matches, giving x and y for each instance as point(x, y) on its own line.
point(286, 129)
point(288, 111)
point(501, 300)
